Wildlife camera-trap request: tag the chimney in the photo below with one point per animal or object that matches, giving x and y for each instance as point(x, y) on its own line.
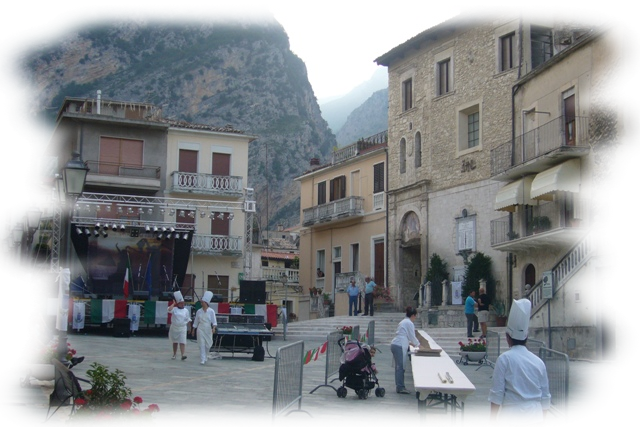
point(99, 101)
point(314, 161)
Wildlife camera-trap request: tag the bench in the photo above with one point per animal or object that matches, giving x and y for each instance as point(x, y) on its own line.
point(66, 388)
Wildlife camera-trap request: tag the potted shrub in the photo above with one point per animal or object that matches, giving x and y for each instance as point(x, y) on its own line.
point(109, 397)
point(326, 299)
point(499, 308)
point(512, 235)
point(539, 224)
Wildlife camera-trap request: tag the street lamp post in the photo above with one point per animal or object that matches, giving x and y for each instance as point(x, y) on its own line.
point(285, 320)
point(33, 223)
point(74, 175)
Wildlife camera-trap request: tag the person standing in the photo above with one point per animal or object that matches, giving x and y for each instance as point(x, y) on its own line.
point(405, 335)
point(469, 312)
point(483, 311)
point(520, 384)
point(180, 320)
point(205, 324)
point(353, 291)
point(369, 286)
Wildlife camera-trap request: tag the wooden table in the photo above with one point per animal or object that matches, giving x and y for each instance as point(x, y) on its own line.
point(438, 381)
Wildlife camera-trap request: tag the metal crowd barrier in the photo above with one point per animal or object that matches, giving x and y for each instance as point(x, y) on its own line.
point(534, 346)
point(287, 380)
point(355, 334)
point(493, 348)
point(558, 373)
point(371, 333)
point(332, 366)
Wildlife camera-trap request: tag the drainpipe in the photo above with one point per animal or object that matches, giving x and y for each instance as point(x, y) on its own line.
point(386, 231)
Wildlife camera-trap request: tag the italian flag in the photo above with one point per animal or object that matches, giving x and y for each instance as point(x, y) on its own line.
point(102, 310)
point(156, 312)
point(127, 279)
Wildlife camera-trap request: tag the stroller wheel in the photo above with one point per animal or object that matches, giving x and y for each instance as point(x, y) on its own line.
point(380, 392)
point(342, 392)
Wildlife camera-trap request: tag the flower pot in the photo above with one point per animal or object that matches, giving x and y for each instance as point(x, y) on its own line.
point(41, 372)
point(501, 321)
point(473, 356)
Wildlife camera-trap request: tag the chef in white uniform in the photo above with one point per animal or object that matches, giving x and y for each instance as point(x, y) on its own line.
point(180, 321)
point(520, 388)
point(205, 323)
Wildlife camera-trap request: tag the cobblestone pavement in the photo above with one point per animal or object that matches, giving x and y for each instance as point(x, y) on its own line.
point(239, 389)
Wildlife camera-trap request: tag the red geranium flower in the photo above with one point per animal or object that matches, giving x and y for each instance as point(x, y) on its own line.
point(126, 405)
point(137, 400)
point(80, 401)
point(154, 408)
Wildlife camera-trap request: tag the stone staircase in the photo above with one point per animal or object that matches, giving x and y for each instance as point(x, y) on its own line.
point(385, 328)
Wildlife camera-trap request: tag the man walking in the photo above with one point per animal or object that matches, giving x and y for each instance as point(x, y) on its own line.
point(368, 296)
point(353, 293)
point(469, 312)
point(483, 311)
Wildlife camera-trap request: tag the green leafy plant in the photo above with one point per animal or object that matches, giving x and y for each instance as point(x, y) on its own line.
point(437, 272)
point(479, 267)
point(499, 308)
point(473, 345)
point(109, 396)
point(45, 355)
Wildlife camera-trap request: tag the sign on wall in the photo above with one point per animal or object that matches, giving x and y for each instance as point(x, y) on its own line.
point(547, 285)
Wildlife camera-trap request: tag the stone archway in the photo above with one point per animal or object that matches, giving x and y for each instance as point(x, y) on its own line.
point(410, 256)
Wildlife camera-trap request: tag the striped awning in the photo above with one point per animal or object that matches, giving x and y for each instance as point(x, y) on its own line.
point(564, 177)
point(513, 194)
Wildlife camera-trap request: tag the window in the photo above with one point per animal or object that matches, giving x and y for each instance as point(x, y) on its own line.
point(473, 129)
point(444, 77)
point(403, 155)
point(355, 257)
point(418, 150)
point(220, 224)
point(378, 178)
point(407, 94)
point(569, 113)
point(507, 51)
point(322, 192)
point(466, 234)
point(541, 45)
point(320, 260)
point(338, 188)
point(116, 152)
point(188, 161)
point(220, 164)
point(337, 252)
point(469, 127)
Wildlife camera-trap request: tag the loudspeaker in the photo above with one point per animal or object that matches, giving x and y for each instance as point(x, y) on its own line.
point(49, 285)
point(253, 291)
point(122, 328)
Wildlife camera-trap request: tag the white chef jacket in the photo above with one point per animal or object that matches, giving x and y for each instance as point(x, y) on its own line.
point(520, 384)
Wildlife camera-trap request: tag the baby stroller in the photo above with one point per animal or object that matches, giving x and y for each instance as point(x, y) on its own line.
point(356, 370)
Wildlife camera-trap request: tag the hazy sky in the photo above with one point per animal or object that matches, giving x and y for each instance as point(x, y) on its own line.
point(339, 40)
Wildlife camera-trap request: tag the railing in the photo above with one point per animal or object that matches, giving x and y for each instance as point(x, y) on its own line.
point(363, 144)
point(551, 211)
point(123, 169)
point(600, 240)
point(206, 183)
point(275, 274)
point(378, 201)
point(537, 142)
point(332, 365)
point(557, 365)
point(347, 207)
point(344, 279)
point(493, 347)
point(287, 379)
point(11, 183)
point(216, 244)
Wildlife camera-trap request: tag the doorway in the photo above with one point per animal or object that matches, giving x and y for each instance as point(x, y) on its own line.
point(608, 312)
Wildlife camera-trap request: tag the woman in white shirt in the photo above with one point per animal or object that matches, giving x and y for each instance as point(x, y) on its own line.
point(405, 335)
point(205, 322)
point(180, 320)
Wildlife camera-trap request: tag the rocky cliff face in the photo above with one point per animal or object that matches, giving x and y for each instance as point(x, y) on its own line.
point(368, 119)
point(242, 74)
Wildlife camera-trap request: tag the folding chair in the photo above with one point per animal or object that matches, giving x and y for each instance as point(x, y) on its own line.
point(66, 387)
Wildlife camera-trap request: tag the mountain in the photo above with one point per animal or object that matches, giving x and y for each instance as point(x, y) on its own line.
point(335, 112)
point(368, 119)
point(217, 73)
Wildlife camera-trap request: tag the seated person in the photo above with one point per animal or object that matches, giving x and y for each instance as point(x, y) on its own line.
point(35, 308)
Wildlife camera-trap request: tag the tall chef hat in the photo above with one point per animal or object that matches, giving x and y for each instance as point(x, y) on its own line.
point(177, 295)
point(518, 322)
point(207, 297)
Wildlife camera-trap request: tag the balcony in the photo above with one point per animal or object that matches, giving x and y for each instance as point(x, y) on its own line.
point(207, 244)
point(109, 175)
point(545, 226)
point(202, 183)
point(540, 149)
point(359, 147)
point(274, 274)
point(339, 210)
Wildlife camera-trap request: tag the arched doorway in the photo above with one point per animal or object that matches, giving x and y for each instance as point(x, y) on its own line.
point(410, 258)
point(529, 279)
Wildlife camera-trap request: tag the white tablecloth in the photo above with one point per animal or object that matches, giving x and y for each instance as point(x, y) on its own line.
point(425, 371)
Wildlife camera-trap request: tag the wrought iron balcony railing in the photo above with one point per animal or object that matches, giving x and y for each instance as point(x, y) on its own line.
point(551, 136)
point(203, 183)
point(208, 244)
point(123, 170)
point(339, 209)
point(358, 147)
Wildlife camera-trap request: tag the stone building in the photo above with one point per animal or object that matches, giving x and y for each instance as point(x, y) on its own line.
point(457, 94)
